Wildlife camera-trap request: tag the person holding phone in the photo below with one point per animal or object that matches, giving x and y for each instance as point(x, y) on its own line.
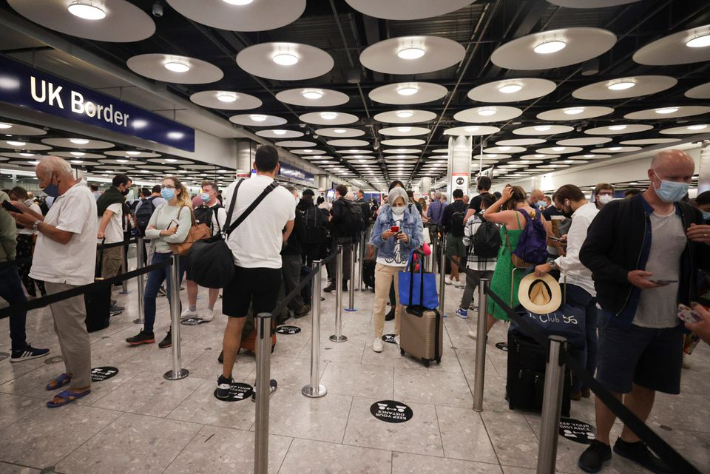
point(169, 224)
point(396, 232)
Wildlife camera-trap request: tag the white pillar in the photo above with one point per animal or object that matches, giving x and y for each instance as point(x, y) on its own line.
point(246, 150)
point(460, 149)
point(425, 186)
point(322, 182)
point(704, 169)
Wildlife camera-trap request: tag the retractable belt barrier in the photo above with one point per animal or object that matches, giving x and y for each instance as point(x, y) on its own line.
point(665, 451)
point(17, 261)
point(297, 290)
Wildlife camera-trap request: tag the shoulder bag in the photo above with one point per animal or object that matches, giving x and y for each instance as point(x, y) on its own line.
point(197, 232)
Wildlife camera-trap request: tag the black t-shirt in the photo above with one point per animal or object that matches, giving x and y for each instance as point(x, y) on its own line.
point(475, 203)
point(551, 211)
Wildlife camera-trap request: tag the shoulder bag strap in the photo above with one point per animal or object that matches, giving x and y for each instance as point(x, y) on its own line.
point(253, 206)
point(233, 202)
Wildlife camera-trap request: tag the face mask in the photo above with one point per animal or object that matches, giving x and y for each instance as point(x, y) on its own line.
point(125, 192)
point(52, 189)
point(566, 213)
point(398, 211)
point(167, 193)
point(541, 204)
point(671, 191)
point(706, 215)
point(605, 199)
point(205, 197)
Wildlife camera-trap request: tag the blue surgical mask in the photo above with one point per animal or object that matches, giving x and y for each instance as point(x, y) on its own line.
point(671, 191)
point(205, 197)
point(706, 216)
point(51, 189)
point(167, 193)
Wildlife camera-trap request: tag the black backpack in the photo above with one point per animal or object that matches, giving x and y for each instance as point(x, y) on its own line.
point(144, 212)
point(486, 241)
point(351, 219)
point(203, 215)
point(457, 224)
point(314, 226)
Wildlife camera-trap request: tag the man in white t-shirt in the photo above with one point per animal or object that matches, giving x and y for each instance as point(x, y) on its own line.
point(110, 218)
point(256, 245)
point(64, 258)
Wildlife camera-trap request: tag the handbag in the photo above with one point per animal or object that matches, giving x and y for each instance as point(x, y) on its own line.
point(417, 289)
point(197, 232)
point(210, 262)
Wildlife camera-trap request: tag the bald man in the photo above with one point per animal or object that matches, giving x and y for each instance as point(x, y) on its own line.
point(644, 253)
point(536, 196)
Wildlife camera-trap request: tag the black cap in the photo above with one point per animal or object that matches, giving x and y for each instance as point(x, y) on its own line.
point(308, 192)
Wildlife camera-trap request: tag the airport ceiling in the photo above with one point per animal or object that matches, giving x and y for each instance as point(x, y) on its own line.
point(373, 89)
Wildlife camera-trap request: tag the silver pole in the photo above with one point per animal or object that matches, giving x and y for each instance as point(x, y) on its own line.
point(263, 391)
point(351, 287)
point(361, 258)
point(480, 345)
point(338, 336)
point(124, 269)
point(551, 405)
point(434, 248)
point(315, 390)
point(177, 372)
point(141, 282)
point(442, 283)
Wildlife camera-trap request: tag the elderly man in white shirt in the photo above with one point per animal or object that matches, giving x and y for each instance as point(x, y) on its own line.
point(64, 258)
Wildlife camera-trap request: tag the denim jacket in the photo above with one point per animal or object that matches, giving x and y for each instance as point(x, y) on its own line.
point(410, 225)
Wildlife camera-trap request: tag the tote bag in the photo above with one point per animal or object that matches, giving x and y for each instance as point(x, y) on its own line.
point(417, 288)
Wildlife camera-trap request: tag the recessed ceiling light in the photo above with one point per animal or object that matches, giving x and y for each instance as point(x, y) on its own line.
point(589, 156)
point(472, 129)
point(407, 90)
point(539, 156)
point(697, 127)
point(492, 155)
point(121, 160)
point(702, 41)
point(510, 88)
point(404, 129)
point(170, 160)
point(621, 85)
point(77, 162)
point(79, 141)
point(312, 94)
point(176, 66)
point(487, 111)
point(77, 153)
point(226, 97)
point(504, 148)
point(34, 162)
point(5, 126)
point(14, 143)
point(542, 128)
point(615, 148)
point(285, 59)
point(279, 132)
point(86, 11)
point(404, 113)
point(411, 53)
point(27, 155)
point(574, 110)
point(558, 148)
point(667, 110)
point(133, 153)
point(258, 118)
point(339, 130)
point(549, 47)
point(617, 127)
point(328, 115)
point(238, 2)
point(175, 135)
point(308, 151)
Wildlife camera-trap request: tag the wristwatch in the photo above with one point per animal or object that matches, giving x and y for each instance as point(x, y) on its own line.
point(35, 226)
point(553, 265)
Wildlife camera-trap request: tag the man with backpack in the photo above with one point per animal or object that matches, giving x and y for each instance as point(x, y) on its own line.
point(315, 223)
point(291, 260)
point(453, 223)
point(346, 222)
point(483, 238)
point(214, 216)
point(149, 201)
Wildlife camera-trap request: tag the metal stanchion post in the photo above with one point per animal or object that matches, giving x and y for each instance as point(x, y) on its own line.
point(315, 390)
point(177, 372)
point(351, 287)
point(338, 336)
point(480, 345)
point(434, 248)
point(551, 404)
point(140, 281)
point(124, 269)
point(263, 391)
point(442, 283)
point(361, 259)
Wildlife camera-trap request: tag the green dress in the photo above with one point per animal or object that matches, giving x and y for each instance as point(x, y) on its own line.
point(504, 283)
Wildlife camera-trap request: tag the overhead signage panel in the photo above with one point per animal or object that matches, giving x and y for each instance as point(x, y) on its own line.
point(28, 87)
point(289, 171)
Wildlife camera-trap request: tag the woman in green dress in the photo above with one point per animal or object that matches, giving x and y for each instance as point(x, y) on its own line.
point(505, 283)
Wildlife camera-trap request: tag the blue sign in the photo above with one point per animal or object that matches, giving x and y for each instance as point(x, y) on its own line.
point(29, 87)
point(289, 171)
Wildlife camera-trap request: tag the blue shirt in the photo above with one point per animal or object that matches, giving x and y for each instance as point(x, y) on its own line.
point(436, 212)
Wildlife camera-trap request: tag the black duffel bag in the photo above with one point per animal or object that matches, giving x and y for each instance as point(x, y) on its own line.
point(210, 262)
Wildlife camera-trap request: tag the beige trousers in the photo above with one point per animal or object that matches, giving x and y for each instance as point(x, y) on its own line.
point(111, 264)
point(384, 276)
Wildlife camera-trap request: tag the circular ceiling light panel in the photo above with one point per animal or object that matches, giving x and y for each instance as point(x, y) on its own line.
point(700, 92)
point(584, 141)
point(687, 129)
point(618, 130)
point(558, 150)
point(278, 133)
point(171, 161)
point(403, 151)
point(650, 141)
point(488, 114)
point(84, 144)
point(405, 116)
point(504, 149)
point(257, 120)
point(9, 128)
point(407, 9)
point(328, 118)
point(520, 142)
point(408, 93)
point(340, 132)
point(85, 156)
point(226, 100)
point(132, 154)
point(590, 156)
point(118, 161)
point(404, 131)
point(174, 69)
point(617, 149)
point(512, 90)
point(668, 112)
point(296, 144)
point(312, 97)
point(412, 55)
point(590, 3)
point(106, 20)
point(399, 142)
point(684, 47)
point(354, 151)
point(553, 49)
point(241, 15)
point(469, 131)
point(538, 157)
point(624, 88)
point(22, 145)
point(318, 155)
point(543, 129)
point(348, 143)
point(575, 112)
point(285, 61)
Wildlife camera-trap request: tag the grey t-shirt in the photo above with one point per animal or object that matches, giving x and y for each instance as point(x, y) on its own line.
point(658, 307)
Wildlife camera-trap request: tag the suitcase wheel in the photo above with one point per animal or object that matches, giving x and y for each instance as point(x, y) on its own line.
point(401, 351)
point(426, 362)
point(438, 360)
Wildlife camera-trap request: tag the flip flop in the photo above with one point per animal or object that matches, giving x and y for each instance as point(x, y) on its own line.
point(68, 396)
point(60, 381)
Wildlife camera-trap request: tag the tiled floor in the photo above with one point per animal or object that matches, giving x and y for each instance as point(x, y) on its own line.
point(137, 422)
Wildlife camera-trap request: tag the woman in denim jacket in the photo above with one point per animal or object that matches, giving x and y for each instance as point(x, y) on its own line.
point(394, 250)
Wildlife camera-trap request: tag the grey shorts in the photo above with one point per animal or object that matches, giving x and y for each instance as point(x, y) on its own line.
point(651, 358)
point(455, 246)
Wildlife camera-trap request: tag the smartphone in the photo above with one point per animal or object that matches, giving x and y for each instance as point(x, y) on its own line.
point(688, 314)
point(557, 239)
point(10, 207)
point(663, 282)
point(173, 223)
point(394, 228)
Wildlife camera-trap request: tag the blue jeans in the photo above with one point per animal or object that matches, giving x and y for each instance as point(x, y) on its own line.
point(580, 298)
point(155, 280)
point(12, 292)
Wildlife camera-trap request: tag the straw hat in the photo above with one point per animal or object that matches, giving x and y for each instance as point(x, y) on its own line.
point(540, 295)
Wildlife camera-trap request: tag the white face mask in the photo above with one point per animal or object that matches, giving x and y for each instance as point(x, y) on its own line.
point(605, 199)
point(398, 210)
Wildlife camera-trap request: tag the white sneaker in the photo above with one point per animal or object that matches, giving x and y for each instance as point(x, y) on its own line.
point(187, 314)
point(448, 281)
point(459, 284)
point(378, 345)
point(207, 315)
point(396, 340)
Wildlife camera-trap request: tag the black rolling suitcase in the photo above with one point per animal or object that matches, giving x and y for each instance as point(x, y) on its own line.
point(307, 290)
point(98, 301)
point(526, 376)
point(368, 273)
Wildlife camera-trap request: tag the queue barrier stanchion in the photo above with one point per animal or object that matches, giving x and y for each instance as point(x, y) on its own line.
point(552, 404)
point(263, 391)
point(140, 259)
point(124, 269)
point(338, 336)
point(434, 247)
point(351, 286)
point(442, 282)
point(315, 389)
point(361, 258)
point(480, 373)
point(177, 372)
